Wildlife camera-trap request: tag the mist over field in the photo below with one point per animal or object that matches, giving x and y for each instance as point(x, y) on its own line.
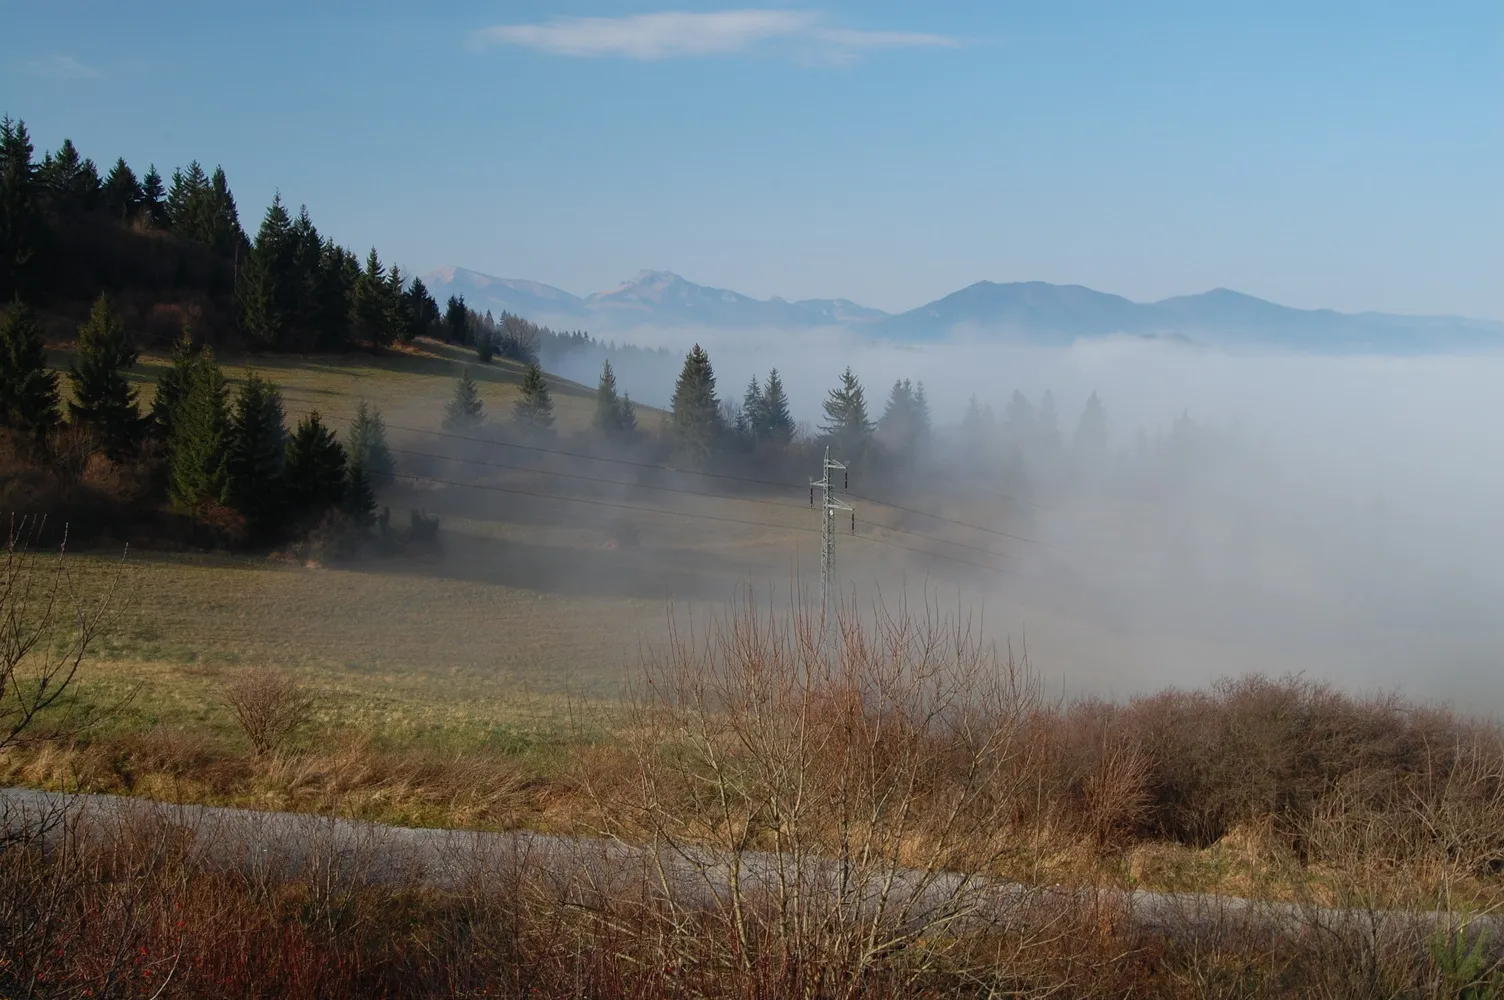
point(1335, 516)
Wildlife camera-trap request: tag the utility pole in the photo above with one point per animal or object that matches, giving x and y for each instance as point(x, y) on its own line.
point(829, 505)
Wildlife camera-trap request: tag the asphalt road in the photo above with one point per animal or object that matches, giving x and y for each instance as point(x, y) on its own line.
point(293, 844)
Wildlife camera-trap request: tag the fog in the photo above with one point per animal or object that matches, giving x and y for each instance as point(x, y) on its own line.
point(1333, 516)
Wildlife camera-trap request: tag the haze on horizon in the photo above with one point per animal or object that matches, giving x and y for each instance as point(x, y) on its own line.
point(1337, 158)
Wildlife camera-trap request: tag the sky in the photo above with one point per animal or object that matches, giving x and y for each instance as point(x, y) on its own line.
point(1342, 155)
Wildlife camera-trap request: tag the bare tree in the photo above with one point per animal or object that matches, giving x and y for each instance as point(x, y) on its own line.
point(46, 628)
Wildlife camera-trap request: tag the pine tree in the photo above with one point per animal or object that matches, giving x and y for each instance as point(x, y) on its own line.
point(846, 425)
point(485, 344)
point(265, 284)
point(220, 220)
point(256, 446)
point(21, 226)
point(338, 273)
point(695, 413)
point(198, 464)
point(367, 446)
point(28, 390)
point(898, 428)
point(314, 469)
point(614, 415)
point(1020, 424)
point(186, 200)
point(534, 409)
point(153, 198)
point(71, 180)
point(422, 312)
point(102, 398)
point(457, 321)
point(775, 404)
point(173, 385)
point(1089, 444)
point(464, 411)
point(398, 322)
point(122, 192)
point(359, 503)
point(369, 310)
point(754, 414)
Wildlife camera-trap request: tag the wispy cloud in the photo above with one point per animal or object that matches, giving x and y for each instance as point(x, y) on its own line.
point(59, 68)
point(670, 34)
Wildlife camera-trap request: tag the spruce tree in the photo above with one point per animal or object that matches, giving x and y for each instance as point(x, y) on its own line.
point(153, 198)
point(315, 469)
point(534, 409)
point(457, 321)
point(359, 503)
point(22, 228)
point(102, 398)
point(464, 411)
point(422, 311)
point(1089, 444)
point(71, 181)
point(485, 344)
point(256, 447)
point(779, 421)
point(266, 284)
point(695, 412)
point(754, 415)
point(28, 391)
point(897, 428)
point(122, 192)
point(198, 462)
point(846, 425)
point(367, 446)
point(186, 200)
point(398, 322)
point(369, 307)
point(220, 220)
point(173, 385)
point(614, 417)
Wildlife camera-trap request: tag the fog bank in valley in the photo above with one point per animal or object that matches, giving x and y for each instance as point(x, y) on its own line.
point(1336, 516)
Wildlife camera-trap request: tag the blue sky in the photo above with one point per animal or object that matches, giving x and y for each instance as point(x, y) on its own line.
point(1342, 155)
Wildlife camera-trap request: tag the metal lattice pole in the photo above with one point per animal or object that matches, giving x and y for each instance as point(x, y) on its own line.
point(829, 505)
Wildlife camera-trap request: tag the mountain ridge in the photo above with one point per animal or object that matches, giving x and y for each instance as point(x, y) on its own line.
point(1033, 312)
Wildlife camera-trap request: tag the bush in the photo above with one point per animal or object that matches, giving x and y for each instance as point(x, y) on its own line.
point(270, 707)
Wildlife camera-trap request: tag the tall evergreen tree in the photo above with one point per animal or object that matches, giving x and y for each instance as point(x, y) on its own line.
point(464, 411)
point(198, 465)
point(369, 307)
point(102, 398)
point(1089, 443)
point(266, 283)
point(846, 426)
point(173, 386)
point(901, 427)
point(753, 419)
point(71, 180)
point(695, 413)
point(186, 200)
point(338, 273)
point(255, 454)
point(457, 321)
point(422, 312)
point(28, 390)
point(614, 415)
point(775, 404)
point(399, 324)
point(220, 219)
point(359, 501)
point(153, 198)
point(534, 409)
point(122, 192)
point(21, 225)
point(367, 446)
point(314, 469)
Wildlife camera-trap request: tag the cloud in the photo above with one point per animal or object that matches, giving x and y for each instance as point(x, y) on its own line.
point(670, 34)
point(59, 68)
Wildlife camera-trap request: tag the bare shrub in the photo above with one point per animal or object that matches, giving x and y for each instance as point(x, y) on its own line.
point(839, 813)
point(45, 633)
point(269, 705)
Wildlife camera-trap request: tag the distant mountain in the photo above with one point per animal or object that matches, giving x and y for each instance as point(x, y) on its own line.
point(482, 292)
point(1039, 313)
point(1033, 312)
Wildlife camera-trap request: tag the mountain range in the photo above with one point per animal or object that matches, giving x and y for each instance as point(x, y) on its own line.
point(1032, 312)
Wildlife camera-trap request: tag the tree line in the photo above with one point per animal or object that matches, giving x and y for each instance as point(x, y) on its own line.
point(219, 453)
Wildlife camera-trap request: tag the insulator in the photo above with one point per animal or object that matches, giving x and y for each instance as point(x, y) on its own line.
point(845, 480)
point(811, 494)
point(853, 522)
